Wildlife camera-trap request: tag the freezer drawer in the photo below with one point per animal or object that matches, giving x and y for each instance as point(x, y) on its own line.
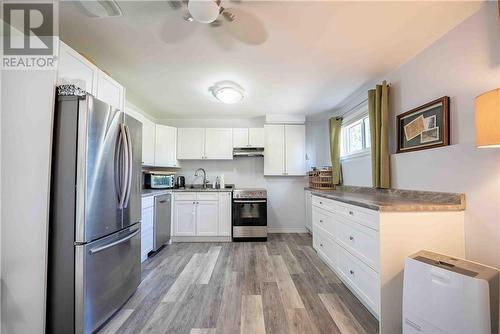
point(107, 272)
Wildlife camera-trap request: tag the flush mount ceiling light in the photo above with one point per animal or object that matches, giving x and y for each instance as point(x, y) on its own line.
point(204, 11)
point(228, 92)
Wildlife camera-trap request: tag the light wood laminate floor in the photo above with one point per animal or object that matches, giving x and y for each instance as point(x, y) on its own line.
point(278, 286)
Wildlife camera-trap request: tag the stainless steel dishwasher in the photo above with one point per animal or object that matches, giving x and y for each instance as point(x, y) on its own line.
point(162, 221)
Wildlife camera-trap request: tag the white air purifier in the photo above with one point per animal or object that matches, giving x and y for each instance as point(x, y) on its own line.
point(442, 295)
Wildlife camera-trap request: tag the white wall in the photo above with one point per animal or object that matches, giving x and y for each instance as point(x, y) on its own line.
point(26, 132)
point(285, 194)
point(462, 64)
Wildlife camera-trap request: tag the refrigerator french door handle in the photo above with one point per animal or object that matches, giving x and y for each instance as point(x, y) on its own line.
point(129, 167)
point(123, 138)
point(114, 243)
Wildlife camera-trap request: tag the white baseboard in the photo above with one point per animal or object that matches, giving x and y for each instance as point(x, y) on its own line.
point(286, 230)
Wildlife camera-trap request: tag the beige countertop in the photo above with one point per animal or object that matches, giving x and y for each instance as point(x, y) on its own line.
point(394, 199)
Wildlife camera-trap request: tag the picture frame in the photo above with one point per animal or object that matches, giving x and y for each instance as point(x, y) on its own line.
point(424, 127)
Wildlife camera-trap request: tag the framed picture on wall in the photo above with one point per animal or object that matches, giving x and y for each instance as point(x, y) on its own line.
point(427, 126)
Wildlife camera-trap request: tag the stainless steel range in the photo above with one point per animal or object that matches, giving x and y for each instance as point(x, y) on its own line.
point(249, 214)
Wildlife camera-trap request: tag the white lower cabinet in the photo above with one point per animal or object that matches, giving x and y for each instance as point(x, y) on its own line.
point(147, 227)
point(308, 199)
point(202, 215)
point(207, 219)
point(185, 218)
point(225, 218)
point(367, 249)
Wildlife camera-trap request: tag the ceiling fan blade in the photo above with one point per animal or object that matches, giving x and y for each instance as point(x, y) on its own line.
point(175, 4)
point(247, 27)
point(229, 16)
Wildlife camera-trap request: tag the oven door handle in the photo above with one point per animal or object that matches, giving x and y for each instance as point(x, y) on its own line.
point(250, 201)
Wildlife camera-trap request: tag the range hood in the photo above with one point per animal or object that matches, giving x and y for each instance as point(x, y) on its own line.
point(248, 152)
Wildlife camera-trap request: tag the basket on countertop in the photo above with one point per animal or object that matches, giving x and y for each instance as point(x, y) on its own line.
point(321, 179)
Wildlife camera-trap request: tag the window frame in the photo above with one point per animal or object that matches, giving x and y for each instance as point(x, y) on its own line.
point(357, 116)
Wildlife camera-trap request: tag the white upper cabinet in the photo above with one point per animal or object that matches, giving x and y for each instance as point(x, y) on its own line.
point(295, 150)
point(200, 143)
point(256, 137)
point(248, 137)
point(110, 91)
point(148, 142)
point(284, 149)
point(240, 137)
point(190, 143)
point(165, 146)
point(73, 68)
point(274, 152)
point(219, 144)
point(148, 137)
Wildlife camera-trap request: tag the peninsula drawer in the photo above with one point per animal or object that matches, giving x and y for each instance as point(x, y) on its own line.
point(323, 219)
point(148, 202)
point(207, 196)
point(325, 246)
point(185, 196)
point(324, 203)
point(359, 240)
point(361, 215)
point(363, 280)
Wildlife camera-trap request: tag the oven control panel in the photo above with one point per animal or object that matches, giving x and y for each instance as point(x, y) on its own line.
point(250, 193)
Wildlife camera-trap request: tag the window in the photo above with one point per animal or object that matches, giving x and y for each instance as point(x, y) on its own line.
point(356, 137)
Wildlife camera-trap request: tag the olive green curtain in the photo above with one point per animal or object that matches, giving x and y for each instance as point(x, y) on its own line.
point(335, 127)
point(378, 112)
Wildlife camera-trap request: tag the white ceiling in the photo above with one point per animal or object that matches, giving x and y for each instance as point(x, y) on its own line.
point(290, 57)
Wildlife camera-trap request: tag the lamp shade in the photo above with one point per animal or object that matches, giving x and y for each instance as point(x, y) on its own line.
point(488, 119)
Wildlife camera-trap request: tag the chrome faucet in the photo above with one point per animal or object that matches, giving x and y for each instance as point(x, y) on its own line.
point(204, 176)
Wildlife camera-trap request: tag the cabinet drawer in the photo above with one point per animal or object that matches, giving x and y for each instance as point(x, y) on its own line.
point(359, 240)
point(148, 202)
point(363, 216)
point(185, 196)
point(207, 196)
point(324, 219)
point(324, 244)
point(147, 225)
point(324, 203)
point(363, 280)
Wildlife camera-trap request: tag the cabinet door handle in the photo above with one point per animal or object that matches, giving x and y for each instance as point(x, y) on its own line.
point(351, 237)
point(351, 213)
point(320, 221)
point(351, 272)
point(321, 245)
point(320, 202)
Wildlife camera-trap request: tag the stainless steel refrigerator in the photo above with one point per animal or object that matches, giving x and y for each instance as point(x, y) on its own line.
point(94, 231)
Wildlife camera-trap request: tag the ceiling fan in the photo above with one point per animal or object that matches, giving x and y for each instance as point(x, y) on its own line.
point(233, 21)
point(204, 11)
